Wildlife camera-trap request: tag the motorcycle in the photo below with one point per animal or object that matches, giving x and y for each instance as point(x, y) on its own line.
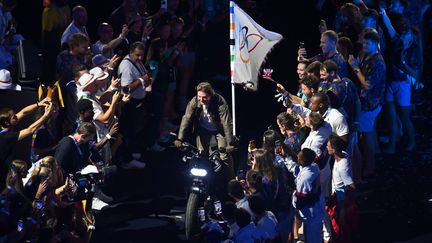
point(208, 186)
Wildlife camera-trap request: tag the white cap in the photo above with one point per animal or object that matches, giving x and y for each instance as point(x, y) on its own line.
point(5, 76)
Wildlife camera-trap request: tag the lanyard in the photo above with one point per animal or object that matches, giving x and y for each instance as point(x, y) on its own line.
point(77, 146)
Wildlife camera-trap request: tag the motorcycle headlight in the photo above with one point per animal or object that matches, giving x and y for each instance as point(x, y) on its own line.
point(198, 172)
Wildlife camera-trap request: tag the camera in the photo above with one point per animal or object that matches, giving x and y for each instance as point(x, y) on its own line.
point(85, 184)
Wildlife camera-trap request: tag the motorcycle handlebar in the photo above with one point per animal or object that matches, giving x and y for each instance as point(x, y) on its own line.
point(194, 150)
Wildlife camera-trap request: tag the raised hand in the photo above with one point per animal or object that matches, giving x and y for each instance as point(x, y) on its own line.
point(114, 61)
point(115, 82)
point(115, 97)
point(43, 186)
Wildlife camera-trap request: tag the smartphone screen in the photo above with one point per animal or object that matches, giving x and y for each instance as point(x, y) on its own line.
point(20, 225)
point(218, 207)
point(39, 205)
point(201, 214)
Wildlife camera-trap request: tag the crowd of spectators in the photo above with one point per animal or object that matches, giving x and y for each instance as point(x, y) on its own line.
point(116, 96)
point(302, 183)
point(121, 94)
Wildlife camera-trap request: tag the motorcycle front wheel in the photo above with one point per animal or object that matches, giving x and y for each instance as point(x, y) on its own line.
point(191, 218)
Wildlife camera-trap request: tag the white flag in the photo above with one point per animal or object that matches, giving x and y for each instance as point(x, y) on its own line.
point(250, 44)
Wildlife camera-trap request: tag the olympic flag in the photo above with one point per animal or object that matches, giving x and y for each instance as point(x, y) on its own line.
point(250, 44)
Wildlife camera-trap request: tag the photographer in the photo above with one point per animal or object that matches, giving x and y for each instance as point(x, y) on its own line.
point(73, 154)
point(136, 81)
point(73, 151)
point(9, 137)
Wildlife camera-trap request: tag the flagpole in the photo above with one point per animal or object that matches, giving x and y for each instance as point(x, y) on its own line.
point(232, 64)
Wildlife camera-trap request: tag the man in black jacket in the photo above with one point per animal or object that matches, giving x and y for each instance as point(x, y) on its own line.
point(73, 151)
point(207, 116)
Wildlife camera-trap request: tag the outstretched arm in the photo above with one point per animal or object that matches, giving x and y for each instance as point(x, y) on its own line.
point(29, 109)
point(32, 128)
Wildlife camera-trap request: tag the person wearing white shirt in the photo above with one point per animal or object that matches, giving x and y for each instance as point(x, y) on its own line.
point(342, 177)
point(248, 232)
point(321, 104)
point(266, 220)
point(317, 141)
point(106, 43)
point(134, 76)
point(342, 201)
point(79, 14)
point(307, 197)
point(235, 191)
point(102, 120)
point(136, 81)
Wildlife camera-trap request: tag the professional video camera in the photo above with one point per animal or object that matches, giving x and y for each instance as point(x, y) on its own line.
point(85, 182)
